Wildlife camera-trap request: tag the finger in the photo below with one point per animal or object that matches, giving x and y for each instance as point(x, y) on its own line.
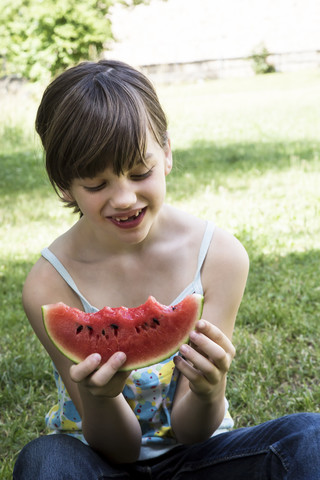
point(85, 368)
point(202, 382)
point(214, 333)
point(102, 376)
point(200, 364)
point(207, 348)
point(217, 336)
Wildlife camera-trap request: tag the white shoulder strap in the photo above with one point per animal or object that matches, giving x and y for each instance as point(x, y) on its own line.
point(196, 286)
point(55, 262)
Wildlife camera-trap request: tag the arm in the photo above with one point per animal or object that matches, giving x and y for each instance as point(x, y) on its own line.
point(109, 425)
point(108, 422)
point(199, 405)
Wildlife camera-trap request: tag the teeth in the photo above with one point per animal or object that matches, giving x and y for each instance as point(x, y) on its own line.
point(124, 219)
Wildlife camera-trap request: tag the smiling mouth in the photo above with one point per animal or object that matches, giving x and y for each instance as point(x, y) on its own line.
point(125, 219)
point(129, 221)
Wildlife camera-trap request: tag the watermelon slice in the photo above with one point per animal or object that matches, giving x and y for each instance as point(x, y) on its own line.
point(147, 334)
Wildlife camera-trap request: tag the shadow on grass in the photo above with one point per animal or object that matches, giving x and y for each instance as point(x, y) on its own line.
point(194, 168)
point(21, 172)
point(276, 370)
point(26, 382)
point(279, 288)
point(208, 163)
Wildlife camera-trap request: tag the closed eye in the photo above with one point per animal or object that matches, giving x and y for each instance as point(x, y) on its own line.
point(95, 188)
point(141, 176)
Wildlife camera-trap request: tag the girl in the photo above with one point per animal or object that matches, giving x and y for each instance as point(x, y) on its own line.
point(107, 155)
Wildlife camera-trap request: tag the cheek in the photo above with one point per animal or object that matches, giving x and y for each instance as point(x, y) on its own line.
point(89, 204)
point(157, 187)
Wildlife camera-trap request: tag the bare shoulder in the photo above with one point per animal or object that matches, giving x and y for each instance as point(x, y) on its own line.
point(183, 223)
point(227, 261)
point(36, 286)
point(228, 252)
point(44, 285)
point(224, 279)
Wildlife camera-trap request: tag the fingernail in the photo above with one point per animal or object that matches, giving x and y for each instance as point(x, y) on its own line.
point(121, 356)
point(184, 349)
point(201, 324)
point(193, 336)
point(96, 357)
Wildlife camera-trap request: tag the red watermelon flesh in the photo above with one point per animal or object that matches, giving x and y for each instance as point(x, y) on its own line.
point(147, 334)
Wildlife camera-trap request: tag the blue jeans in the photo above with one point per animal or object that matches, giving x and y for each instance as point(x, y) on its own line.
point(286, 448)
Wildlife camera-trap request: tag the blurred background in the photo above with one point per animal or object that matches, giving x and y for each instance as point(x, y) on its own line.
point(187, 39)
point(171, 39)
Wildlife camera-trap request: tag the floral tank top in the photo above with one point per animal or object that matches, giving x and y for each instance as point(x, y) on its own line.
point(149, 391)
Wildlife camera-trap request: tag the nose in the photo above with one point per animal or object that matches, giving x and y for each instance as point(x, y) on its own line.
point(123, 195)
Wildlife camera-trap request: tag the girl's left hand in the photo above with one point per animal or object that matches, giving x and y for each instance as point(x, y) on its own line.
point(206, 360)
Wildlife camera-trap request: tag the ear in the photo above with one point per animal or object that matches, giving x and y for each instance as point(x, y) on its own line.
point(168, 157)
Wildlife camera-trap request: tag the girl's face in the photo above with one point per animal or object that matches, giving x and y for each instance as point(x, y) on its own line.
point(125, 206)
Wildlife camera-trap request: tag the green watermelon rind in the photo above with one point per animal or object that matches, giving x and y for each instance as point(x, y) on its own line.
point(67, 354)
point(128, 366)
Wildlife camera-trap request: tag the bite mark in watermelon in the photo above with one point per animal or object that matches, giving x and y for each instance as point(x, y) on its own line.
point(147, 334)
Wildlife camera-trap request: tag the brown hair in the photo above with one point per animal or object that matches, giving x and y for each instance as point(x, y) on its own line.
point(94, 115)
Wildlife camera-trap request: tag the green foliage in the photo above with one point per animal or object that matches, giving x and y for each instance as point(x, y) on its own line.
point(133, 3)
point(38, 37)
point(260, 61)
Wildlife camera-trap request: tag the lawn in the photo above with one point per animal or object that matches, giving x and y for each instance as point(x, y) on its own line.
point(246, 155)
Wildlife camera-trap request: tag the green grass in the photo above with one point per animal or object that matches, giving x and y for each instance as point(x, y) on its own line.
point(246, 155)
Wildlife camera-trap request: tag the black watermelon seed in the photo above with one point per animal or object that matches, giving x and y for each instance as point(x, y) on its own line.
point(156, 321)
point(173, 308)
point(79, 328)
point(103, 332)
point(115, 328)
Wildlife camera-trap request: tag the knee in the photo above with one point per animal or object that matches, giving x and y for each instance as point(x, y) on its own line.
point(29, 455)
point(306, 422)
point(302, 429)
point(299, 448)
point(41, 455)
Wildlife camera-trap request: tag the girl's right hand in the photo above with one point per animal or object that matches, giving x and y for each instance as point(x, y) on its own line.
point(105, 381)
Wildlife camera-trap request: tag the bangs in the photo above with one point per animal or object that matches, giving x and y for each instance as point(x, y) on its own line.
point(96, 116)
point(106, 127)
